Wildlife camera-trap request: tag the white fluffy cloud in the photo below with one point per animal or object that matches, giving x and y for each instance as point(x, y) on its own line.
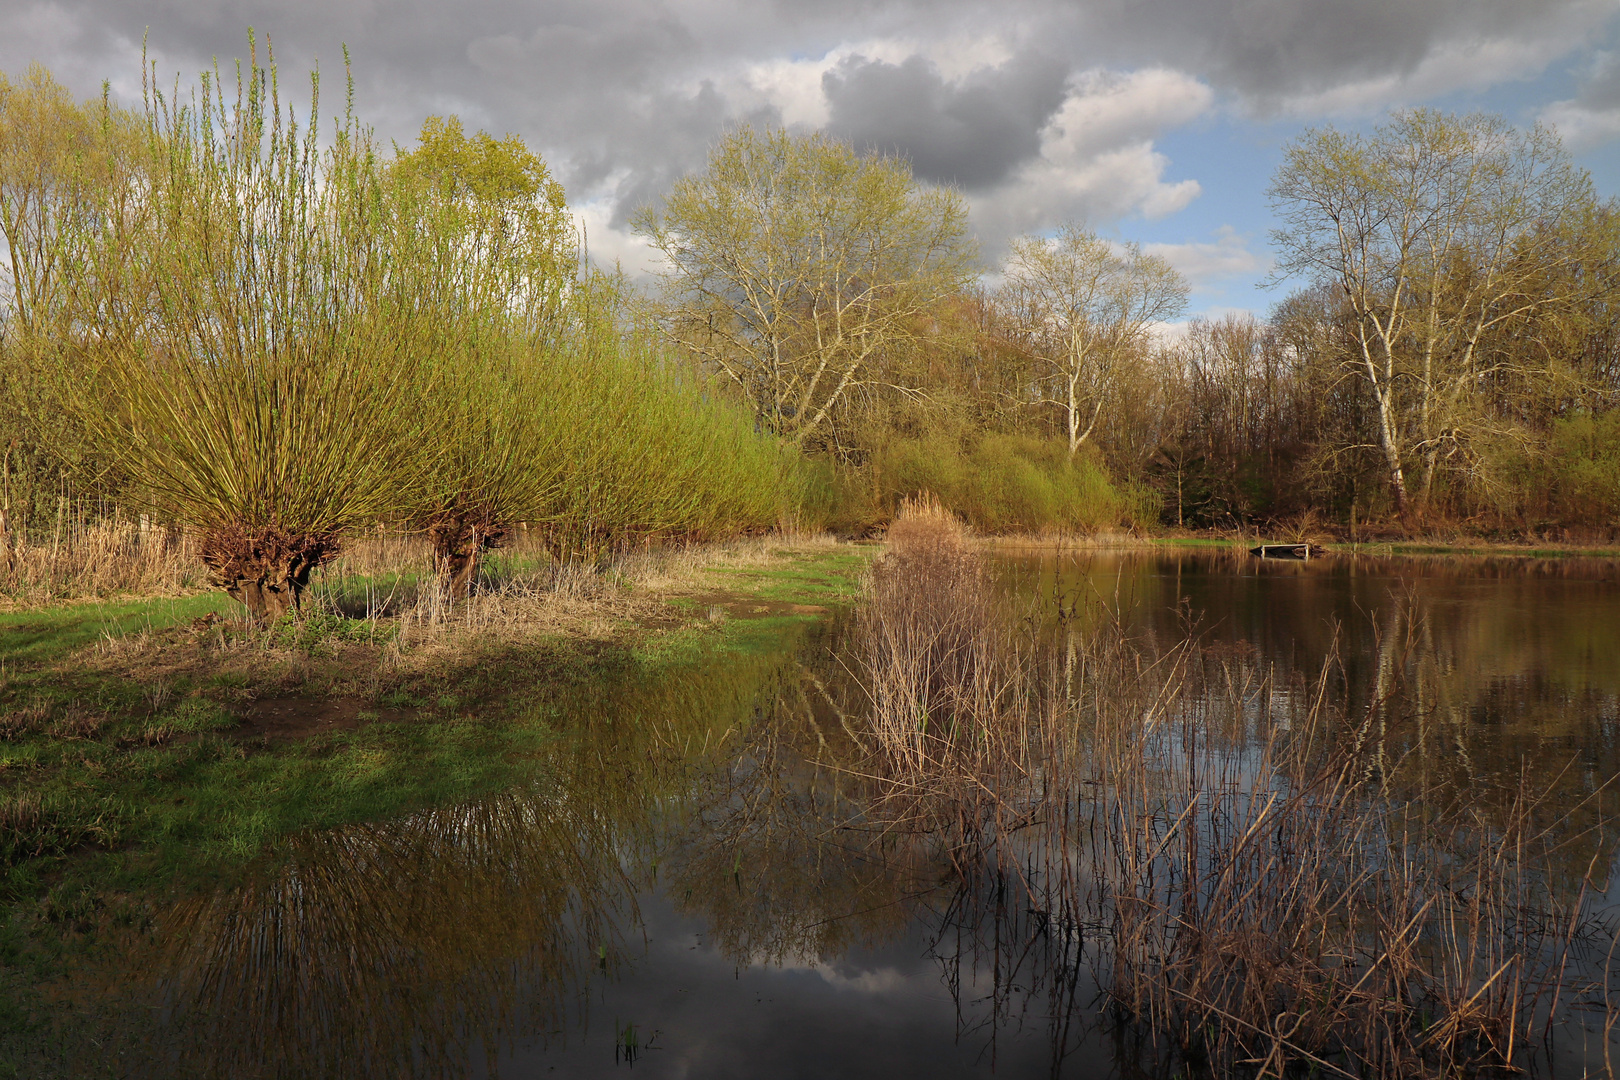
point(1097, 161)
point(1207, 263)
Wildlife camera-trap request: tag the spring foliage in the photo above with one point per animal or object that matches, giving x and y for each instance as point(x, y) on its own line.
point(274, 335)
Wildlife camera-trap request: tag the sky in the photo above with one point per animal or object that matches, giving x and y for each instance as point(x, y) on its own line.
point(1155, 121)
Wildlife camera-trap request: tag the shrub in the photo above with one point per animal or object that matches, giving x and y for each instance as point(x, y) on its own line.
point(248, 375)
point(1012, 483)
point(1585, 452)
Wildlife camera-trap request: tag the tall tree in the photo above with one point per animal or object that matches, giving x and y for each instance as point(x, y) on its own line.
point(793, 262)
point(64, 166)
point(489, 264)
point(1081, 307)
point(1439, 231)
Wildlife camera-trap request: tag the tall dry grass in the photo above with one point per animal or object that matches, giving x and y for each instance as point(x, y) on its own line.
point(946, 675)
point(85, 560)
point(1255, 883)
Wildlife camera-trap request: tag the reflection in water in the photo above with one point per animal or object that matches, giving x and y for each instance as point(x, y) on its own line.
point(715, 864)
point(396, 949)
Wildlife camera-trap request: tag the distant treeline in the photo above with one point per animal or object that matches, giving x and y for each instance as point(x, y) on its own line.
point(1451, 361)
point(239, 318)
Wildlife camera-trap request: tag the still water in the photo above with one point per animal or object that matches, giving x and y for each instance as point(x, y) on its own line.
point(694, 883)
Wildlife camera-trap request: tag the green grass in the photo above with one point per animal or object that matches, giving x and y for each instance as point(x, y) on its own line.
point(177, 792)
point(49, 633)
point(826, 577)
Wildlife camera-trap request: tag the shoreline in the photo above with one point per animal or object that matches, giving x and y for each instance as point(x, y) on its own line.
point(1334, 547)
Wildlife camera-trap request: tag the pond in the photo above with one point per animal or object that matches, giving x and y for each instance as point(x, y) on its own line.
point(710, 878)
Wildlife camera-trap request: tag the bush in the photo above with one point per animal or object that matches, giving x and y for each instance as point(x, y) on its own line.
point(1585, 453)
point(1012, 483)
point(823, 494)
point(652, 452)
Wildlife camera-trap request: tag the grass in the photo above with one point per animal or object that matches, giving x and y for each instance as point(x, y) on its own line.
point(172, 870)
point(142, 752)
point(40, 634)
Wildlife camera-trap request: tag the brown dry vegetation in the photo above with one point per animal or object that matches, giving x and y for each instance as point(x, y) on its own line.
point(89, 559)
point(1253, 877)
point(379, 615)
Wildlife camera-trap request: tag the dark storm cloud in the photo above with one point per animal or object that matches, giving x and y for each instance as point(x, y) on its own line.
point(1271, 51)
point(973, 133)
point(623, 95)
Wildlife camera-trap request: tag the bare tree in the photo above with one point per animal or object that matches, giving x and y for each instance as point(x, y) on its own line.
point(1082, 307)
point(1438, 231)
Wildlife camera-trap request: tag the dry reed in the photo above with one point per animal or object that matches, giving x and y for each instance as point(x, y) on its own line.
point(1256, 884)
point(87, 559)
point(944, 673)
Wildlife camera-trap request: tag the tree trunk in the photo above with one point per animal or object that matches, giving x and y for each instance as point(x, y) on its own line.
point(459, 542)
point(266, 569)
point(267, 600)
point(1389, 437)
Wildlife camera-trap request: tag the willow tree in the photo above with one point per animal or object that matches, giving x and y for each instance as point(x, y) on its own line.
point(63, 164)
point(487, 264)
point(1439, 232)
point(246, 370)
point(1081, 308)
point(793, 262)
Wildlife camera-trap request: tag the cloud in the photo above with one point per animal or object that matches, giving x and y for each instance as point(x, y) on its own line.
point(1204, 263)
point(972, 133)
point(1040, 109)
point(1593, 116)
point(1097, 162)
point(1310, 57)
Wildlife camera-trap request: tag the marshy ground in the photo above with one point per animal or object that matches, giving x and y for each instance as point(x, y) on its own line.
point(1029, 810)
point(151, 744)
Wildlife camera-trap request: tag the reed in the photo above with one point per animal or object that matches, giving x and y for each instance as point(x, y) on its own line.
point(89, 558)
point(1257, 883)
point(946, 677)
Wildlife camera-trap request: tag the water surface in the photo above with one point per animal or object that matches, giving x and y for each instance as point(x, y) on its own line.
point(694, 885)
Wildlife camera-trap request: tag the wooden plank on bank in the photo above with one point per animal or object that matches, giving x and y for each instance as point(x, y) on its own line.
point(1283, 551)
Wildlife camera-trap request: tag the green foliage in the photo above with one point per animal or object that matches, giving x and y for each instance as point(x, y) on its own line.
point(62, 162)
point(250, 375)
point(1012, 483)
point(314, 635)
point(829, 495)
point(653, 451)
point(796, 262)
point(1585, 468)
point(491, 245)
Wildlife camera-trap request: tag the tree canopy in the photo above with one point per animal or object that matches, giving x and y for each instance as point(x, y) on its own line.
point(794, 262)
